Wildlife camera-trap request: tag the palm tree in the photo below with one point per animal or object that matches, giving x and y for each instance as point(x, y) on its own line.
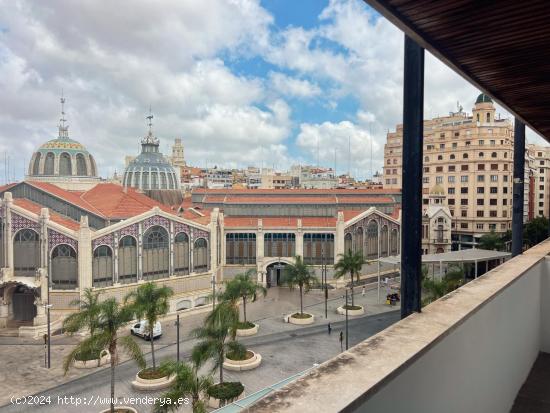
point(436, 289)
point(243, 287)
point(111, 317)
point(86, 317)
point(219, 326)
point(349, 263)
point(301, 275)
point(188, 384)
point(149, 302)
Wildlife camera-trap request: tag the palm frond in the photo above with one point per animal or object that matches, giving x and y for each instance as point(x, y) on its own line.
point(132, 349)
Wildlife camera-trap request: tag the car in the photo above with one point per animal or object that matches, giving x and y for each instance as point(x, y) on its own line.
point(140, 329)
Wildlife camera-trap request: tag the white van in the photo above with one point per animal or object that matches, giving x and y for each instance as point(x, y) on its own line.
point(140, 329)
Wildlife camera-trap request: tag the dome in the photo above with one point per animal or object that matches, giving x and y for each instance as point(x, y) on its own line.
point(483, 98)
point(150, 169)
point(62, 157)
point(437, 190)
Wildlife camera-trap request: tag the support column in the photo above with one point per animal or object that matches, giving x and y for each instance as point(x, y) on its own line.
point(84, 255)
point(413, 139)
point(519, 171)
point(171, 244)
point(299, 240)
point(339, 242)
point(260, 253)
point(8, 233)
point(140, 252)
point(116, 238)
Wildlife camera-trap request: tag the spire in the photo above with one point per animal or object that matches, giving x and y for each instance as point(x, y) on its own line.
point(149, 139)
point(63, 128)
point(150, 119)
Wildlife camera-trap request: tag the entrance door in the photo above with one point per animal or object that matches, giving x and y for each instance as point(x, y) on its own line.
point(23, 304)
point(275, 274)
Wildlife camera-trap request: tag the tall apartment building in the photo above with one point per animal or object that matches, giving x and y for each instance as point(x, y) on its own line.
point(471, 158)
point(541, 178)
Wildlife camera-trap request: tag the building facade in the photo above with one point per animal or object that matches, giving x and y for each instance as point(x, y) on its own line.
point(471, 158)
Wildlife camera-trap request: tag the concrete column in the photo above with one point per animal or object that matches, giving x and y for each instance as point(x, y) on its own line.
point(213, 225)
point(518, 187)
point(339, 237)
point(116, 239)
point(8, 202)
point(43, 220)
point(56, 164)
point(84, 254)
point(171, 237)
point(300, 239)
point(140, 252)
point(260, 252)
point(191, 249)
point(73, 165)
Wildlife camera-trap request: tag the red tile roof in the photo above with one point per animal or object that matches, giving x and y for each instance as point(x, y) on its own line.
point(54, 216)
point(365, 200)
point(297, 191)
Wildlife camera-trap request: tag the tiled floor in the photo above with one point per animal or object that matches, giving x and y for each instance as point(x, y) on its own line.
point(534, 395)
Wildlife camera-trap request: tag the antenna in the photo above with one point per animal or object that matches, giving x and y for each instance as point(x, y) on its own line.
point(150, 119)
point(63, 129)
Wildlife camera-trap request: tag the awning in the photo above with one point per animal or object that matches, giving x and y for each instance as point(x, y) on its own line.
point(470, 255)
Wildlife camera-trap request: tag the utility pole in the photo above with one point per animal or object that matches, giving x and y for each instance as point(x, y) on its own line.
point(178, 337)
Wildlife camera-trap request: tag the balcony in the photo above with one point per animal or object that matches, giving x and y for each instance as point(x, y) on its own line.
point(470, 351)
point(441, 241)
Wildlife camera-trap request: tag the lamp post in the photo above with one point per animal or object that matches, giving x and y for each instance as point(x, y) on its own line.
point(47, 306)
point(178, 337)
point(347, 342)
point(213, 291)
point(324, 277)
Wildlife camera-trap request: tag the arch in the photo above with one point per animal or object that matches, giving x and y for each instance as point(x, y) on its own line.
point(36, 164)
point(480, 154)
point(384, 239)
point(81, 168)
point(464, 156)
point(64, 267)
point(127, 260)
point(181, 254)
point(184, 305)
point(493, 155)
point(93, 166)
point(452, 156)
point(394, 241)
point(102, 266)
point(49, 164)
point(26, 252)
point(348, 242)
point(65, 166)
point(156, 253)
point(372, 240)
point(200, 255)
point(358, 240)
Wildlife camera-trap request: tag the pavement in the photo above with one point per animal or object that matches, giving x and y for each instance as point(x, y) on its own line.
point(286, 349)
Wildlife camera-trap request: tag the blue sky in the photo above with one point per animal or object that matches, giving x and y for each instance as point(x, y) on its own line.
point(242, 82)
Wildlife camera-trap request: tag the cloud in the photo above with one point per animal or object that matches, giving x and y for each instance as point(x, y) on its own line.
point(293, 87)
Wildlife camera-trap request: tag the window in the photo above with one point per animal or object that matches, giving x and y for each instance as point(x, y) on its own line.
point(441, 146)
point(457, 134)
point(479, 226)
point(493, 190)
point(494, 167)
point(464, 156)
point(505, 178)
point(492, 142)
point(464, 178)
point(481, 178)
point(426, 169)
point(541, 187)
point(439, 169)
point(493, 214)
point(504, 214)
point(468, 143)
point(442, 135)
point(156, 255)
point(489, 119)
point(505, 190)
point(451, 201)
point(451, 191)
point(492, 201)
point(479, 214)
point(481, 142)
point(505, 166)
point(464, 214)
point(452, 156)
point(463, 167)
point(541, 204)
point(426, 180)
point(64, 267)
point(426, 159)
point(463, 202)
point(541, 196)
point(480, 190)
point(464, 225)
point(541, 163)
point(493, 155)
point(455, 145)
point(494, 178)
point(480, 202)
point(481, 167)
point(464, 190)
point(492, 227)
point(439, 157)
point(451, 168)
point(504, 201)
point(480, 154)
point(438, 179)
point(451, 179)
point(541, 179)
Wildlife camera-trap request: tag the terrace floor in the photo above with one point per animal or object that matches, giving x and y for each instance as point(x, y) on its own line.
point(534, 397)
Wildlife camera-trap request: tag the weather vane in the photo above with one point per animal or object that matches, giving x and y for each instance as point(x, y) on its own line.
point(63, 129)
point(150, 119)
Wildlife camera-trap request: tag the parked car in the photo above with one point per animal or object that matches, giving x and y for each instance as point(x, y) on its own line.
point(140, 329)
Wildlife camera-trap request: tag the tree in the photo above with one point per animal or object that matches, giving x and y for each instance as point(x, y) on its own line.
point(491, 241)
point(299, 275)
point(111, 317)
point(86, 316)
point(188, 384)
point(219, 326)
point(243, 287)
point(437, 288)
point(535, 231)
point(149, 302)
point(349, 263)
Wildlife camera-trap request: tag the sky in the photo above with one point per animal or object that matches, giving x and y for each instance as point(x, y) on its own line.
point(242, 82)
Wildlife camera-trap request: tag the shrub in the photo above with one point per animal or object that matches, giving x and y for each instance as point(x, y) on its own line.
point(228, 390)
point(303, 315)
point(352, 307)
point(240, 355)
point(151, 374)
point(88, 354)
point(245, 325)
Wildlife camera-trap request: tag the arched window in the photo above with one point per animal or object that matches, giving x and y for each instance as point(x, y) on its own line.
point(394, 241)
point(49, 164)
point(171, 181)
point(93, 167)
point(348, 242)
point(36, 164)
point(464, 156)
point(480, 154)
point(506, 154)
point(26, 253)
point(65, 167)
point(64, 268)
point(81, 169)
point(358, 244)
point(439, 157)
point(156, 255)
point(488, 117)
point(426, 159)
point(181, 254)
point(478, 117)
point(127, 260)
point(384, 239)
point(493, 155)
point(102, 266)
point(372, 240)
point(200, 255)
point(452, 156)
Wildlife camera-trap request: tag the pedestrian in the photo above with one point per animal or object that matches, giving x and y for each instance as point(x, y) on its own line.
point(363, 291)
point(329, 329)
point(341, 341)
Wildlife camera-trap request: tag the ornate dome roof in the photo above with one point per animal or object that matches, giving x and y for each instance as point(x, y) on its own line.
point(63, 145)
point(483, 98)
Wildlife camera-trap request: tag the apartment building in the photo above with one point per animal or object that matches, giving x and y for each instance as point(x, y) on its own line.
point(471, 158)
point(541, 177)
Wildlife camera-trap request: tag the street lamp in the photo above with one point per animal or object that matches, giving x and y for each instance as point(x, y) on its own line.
point(324, 277)
point(213, 291)
point(178, 336)
point(48, 306)
point(347, 319)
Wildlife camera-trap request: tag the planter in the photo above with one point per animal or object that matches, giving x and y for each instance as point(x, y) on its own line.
point(126, 409)
point(153, 384)
point(355, 312)
point(301, 321)
point(216, 403)
point(90, 364)
point(243, 365)
point(245, 332)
